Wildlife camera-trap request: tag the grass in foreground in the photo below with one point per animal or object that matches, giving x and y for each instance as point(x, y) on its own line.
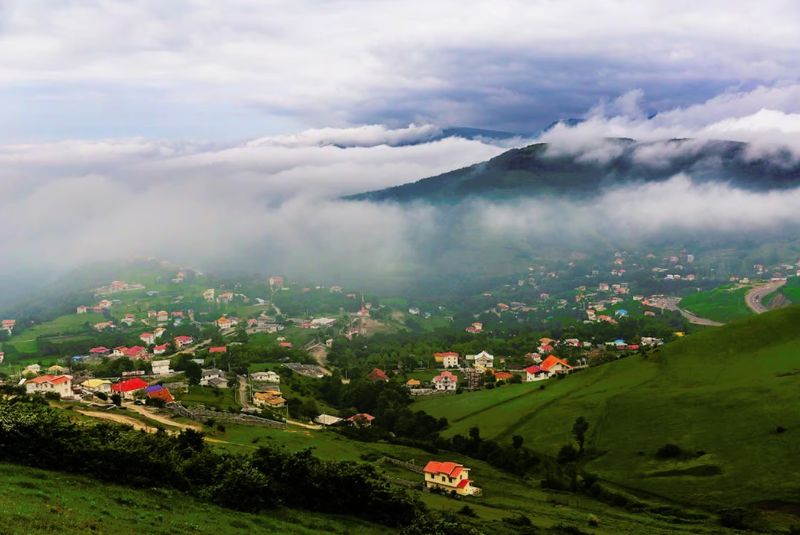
point(39, 501)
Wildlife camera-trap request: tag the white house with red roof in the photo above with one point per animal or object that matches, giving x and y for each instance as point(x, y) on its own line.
point(128, 387)
point(553, 364)
point(59, 384)
point(450, 477)
point(162, 316)
point(135, 352)
point(181, 341)
point(160, 349)
point(445, 381)
point(100, 351)
point(148, 338)
point(536, 373)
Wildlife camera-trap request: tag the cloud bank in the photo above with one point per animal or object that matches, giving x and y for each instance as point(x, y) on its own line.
point(272, 204)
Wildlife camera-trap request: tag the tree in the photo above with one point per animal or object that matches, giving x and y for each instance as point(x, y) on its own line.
point(516, 441)
point(579, 429)
point(193, 373)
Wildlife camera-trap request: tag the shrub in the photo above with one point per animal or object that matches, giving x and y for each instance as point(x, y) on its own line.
point(669, 451)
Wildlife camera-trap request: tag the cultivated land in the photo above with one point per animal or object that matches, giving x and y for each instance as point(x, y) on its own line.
point(39, 501)
point(719, 394)
point(721, 304)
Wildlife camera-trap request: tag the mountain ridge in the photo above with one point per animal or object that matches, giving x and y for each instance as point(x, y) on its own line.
point(536, 170)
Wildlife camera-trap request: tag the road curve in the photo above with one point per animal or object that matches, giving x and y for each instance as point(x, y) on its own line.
point(755, 297)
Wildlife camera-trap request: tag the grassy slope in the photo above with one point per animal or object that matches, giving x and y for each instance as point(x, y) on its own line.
point(25, 342)
point(720, 304)
point(721, 391)
point(38, 501)
point(504, 495)
point(791, 290)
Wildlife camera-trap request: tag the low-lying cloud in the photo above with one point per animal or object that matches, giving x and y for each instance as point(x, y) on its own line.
point(273, 204)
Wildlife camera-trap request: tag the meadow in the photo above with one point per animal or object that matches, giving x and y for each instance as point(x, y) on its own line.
point(39, 501)
point(726, 397)
point(25, 341)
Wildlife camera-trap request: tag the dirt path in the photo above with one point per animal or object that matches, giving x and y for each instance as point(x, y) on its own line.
point(304, 425)
point(162, 419)
point(755, 297)
point(120, 419)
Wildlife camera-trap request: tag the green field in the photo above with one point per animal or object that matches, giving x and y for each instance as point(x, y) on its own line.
point(504, 495)
point(219, 398)
point(39, 501)
point(25, 342)
point(719, 394)
point(723, 304)
point(791, 290)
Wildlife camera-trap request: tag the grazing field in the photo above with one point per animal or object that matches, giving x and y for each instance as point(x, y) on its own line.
point(39, 501)
point(504, 495)
point(25, 342)
point(727, 397)
point(723, 304)
point(219, 398)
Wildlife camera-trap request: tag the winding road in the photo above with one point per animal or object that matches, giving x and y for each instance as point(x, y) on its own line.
point(755, 297)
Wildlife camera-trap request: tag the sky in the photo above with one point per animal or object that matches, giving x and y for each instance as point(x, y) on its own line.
point(222, 135)
point(210, 70)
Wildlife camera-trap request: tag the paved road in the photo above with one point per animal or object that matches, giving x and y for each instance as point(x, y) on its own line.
point(697, 320)
point(671, 303)
point(754, 298)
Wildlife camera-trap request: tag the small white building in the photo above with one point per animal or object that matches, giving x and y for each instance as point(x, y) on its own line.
point(210, 376)
point(265, 377)
point(161, 367)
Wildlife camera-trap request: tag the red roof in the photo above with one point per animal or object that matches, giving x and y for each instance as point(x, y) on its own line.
point(377, 374)
point(551, 361)
point(163, 394)
point(286, 344)
point(533, 369)
point(445, 374)
point(448, 468)
point(99, 349)
point(134, 351)
point(463, 483)
point(362, 416)
point(218, 349)
point(54, 379)
point(183, 339)
point(503, 375)
point(129, 385)
point(446, 354)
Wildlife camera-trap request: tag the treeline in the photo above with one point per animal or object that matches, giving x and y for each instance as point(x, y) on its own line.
point(388, 402)
point(34, 434)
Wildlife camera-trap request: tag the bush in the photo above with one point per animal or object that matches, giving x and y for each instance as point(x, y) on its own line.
point(467, 511)
point(669, 451)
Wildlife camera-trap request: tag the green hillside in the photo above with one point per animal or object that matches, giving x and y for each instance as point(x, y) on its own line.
point(720, 395)
point(723, 304)
point(39, 501)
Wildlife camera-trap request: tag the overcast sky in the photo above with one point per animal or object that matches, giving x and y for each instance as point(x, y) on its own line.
point(212, 70)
